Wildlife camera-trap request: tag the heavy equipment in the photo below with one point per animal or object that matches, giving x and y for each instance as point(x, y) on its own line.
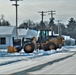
point(45, 41)
point(48, 42)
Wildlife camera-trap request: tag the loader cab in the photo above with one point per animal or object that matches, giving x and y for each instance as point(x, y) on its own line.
point(44, 35)
point(49, 41)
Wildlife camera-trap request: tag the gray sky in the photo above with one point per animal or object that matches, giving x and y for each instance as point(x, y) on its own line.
point(28, 9)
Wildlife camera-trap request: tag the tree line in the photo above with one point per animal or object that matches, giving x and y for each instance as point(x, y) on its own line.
point(69, 29)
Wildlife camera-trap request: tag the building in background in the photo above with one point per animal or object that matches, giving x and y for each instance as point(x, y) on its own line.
point(6, 34)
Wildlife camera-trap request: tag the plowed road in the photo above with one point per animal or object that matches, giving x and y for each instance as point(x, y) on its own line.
point(58, 63)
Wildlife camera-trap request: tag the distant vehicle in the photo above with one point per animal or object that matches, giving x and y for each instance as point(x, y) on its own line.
point(44, 41)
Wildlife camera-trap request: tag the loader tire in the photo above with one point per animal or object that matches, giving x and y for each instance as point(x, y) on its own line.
point(45, 47)
point(51, 45)
point(29, 47)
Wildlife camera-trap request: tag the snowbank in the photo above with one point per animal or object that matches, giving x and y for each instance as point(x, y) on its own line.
point(7, 58)
point(68, 40)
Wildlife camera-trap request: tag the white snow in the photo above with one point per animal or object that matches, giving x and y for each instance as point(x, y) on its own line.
point(32, 33)
point(15, 62)
point(68, 39)
point(66, 66)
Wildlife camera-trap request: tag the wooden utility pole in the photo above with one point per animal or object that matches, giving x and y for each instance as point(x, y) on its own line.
point(51, 13)
point(2, 18)
point(59, 29)
point(16, 5)
point(42, 14)
point(51, 20)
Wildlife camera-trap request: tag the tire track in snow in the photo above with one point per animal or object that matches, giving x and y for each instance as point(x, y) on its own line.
point(38, 67)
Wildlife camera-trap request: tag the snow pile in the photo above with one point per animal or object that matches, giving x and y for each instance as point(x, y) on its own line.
point(69, 48)
point(68, 40)
point(31, 33)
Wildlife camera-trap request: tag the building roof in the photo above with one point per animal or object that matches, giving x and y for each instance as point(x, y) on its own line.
point(22, 32)
point(6, 30)
point(31, 33)
point(11, 30)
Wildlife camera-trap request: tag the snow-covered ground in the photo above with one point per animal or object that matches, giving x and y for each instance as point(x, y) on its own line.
point(15, 62)
point(8, 58)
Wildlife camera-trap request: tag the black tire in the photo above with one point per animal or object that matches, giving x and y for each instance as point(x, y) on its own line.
point(59, 45)
point(49, 44)
point(45, 47)
point(31, 49)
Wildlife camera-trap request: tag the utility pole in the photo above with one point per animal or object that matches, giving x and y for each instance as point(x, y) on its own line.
point(51, 13)
point(59, 31)
point(2, 17)
point(16, 5)
point(42, 14)
point(51, 20)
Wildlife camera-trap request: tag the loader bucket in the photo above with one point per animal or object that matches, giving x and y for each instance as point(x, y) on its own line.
point(11, 49)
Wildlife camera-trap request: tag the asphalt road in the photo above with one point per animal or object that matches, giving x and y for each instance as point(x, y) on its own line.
point(64, 63)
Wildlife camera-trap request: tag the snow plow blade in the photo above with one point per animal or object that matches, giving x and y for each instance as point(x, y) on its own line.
point(11, 49)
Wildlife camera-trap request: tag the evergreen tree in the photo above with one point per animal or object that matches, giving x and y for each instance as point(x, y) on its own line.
point(71, 28)
point(3, 22)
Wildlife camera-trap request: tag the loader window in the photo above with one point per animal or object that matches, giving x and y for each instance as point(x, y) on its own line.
point(47, 33)
point(43, 34)
point(43, 37)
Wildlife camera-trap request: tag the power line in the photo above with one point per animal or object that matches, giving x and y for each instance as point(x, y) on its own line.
point(26, 7)
point(30, 7)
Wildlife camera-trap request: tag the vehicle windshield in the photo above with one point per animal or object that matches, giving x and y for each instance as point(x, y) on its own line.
point(44, 33)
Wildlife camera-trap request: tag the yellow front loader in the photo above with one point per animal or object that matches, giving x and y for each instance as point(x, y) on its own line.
point(45, 41)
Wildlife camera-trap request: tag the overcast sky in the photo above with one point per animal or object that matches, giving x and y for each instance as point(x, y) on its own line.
point(28, 9)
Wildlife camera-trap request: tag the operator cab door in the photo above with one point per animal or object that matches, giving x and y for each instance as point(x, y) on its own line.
point(43, 35)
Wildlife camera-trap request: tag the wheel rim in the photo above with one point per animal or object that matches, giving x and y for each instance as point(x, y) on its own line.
point(28, 48)
point(51, 47)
